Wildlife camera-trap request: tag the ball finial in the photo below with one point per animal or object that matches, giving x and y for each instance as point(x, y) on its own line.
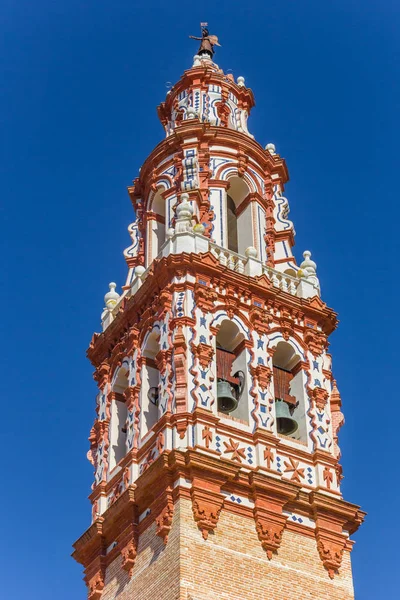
point(251, 252)
point(112, 297)
point(271, 148)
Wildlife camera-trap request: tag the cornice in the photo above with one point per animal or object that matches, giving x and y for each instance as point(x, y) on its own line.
point(164, 270)
point(208, 481)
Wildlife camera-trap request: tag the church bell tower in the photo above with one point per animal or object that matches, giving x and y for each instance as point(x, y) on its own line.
point(215, 443)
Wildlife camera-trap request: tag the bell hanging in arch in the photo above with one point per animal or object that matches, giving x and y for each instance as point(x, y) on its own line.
point(227, 402)
point(285, 423)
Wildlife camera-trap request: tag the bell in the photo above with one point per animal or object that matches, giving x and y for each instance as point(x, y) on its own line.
point(284, 422)
point(226, 400)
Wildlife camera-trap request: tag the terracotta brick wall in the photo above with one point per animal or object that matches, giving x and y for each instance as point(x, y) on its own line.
point(230, 565)
point(156, 571)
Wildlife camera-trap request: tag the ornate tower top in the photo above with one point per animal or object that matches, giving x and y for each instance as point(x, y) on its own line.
point(217, 410)
point(204, 92)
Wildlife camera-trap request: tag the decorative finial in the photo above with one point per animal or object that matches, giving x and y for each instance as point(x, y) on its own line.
point(111, 300)
point(112, 297)
point(199, 229)
point(251, 252)
point(139, 270)
point(271, 148)
point(308, 270)
point(184, 213)
point(207, 42)
point(308, 265)
point(240, 81)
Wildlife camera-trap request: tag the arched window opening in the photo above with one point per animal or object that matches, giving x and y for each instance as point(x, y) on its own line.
point(288, 379)
point(232, 225)
point(239, 219)
point(118, 419)
point(231, 372)
point(156, 225)
point(150, 384)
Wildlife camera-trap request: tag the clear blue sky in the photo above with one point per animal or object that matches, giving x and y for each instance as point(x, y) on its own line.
point(80, 84)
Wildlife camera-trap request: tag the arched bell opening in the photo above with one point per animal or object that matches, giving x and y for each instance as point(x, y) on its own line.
point(231, 372)
point(150, 388)
point(239, 222)
point(156, 226)
point(118, 419)
point(288, 385)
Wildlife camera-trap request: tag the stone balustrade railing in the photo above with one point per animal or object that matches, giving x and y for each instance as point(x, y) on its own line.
point(248, 265)
point(284, 282)
point(229, 259)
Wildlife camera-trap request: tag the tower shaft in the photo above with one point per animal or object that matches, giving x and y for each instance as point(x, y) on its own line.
point(198, 496)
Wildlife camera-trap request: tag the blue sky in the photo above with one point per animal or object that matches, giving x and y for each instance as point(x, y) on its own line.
point(80, 84)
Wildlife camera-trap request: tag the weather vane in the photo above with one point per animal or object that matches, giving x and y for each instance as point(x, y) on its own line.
point(207, 41)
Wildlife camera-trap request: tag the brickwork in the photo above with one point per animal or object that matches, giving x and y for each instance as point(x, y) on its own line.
point(156, 571)
point(229, 565)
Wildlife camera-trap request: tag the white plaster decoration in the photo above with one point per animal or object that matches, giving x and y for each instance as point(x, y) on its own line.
point(196, 61)
point(170, 212)
point(132, 250)
point(326, 478)
point(308, 271)
point(319, 412)
point(139, 270)
point(164, 387)
point(139, 276)
point(184, 214)
point(240, 500)
point(235, 449)
point(271, 148)
point(188, 238)
point(284, 282)
point(242, 125)
point(240, 81)
point(282, 223)
point(229, 259)
point(258, 214)
point(251, 252)
point(133, 381)
point(253, 267)
point(110, 299)
point(188, 242)
point(190, 170)
point(102, 505)
point(191, 113)
point(296, 470)
point(303, 520)
point(100, 462)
